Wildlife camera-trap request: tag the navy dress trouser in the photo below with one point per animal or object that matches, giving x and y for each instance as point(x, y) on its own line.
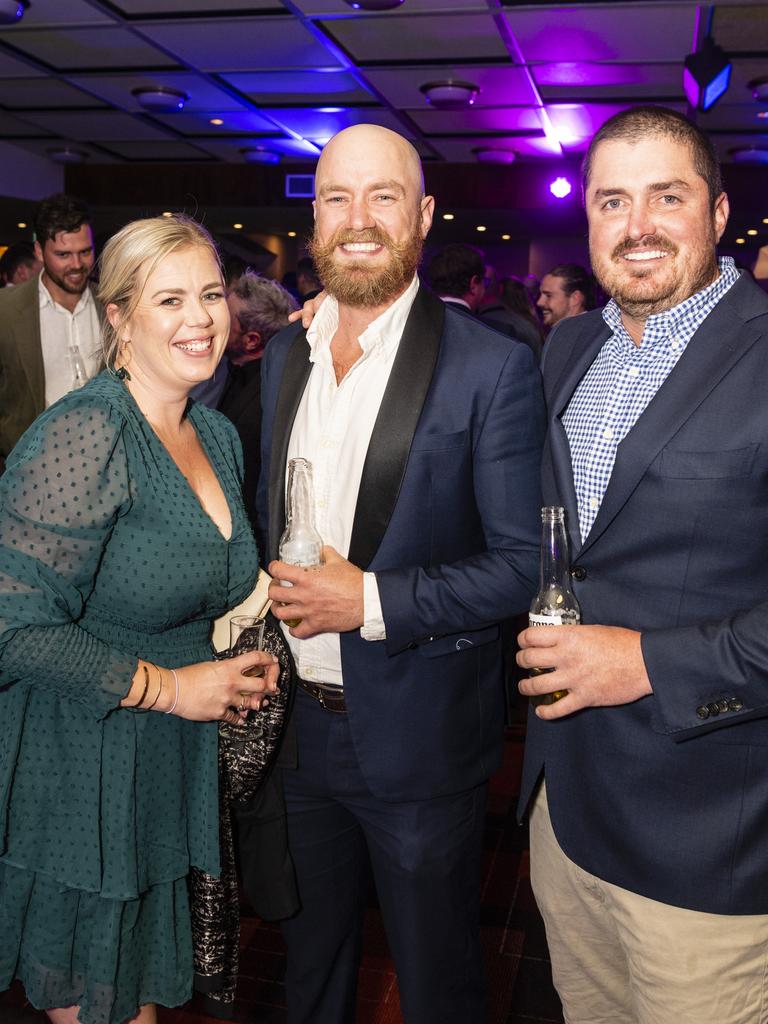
point(426, 860)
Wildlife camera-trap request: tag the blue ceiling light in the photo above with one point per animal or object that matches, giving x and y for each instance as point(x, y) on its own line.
point(706, 75)
point(159, 99)
point(12, 11)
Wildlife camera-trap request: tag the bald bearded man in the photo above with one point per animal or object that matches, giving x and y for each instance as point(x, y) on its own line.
point(424, 429)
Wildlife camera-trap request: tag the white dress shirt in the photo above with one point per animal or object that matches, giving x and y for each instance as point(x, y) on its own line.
point(332, 429)
point(61, 331)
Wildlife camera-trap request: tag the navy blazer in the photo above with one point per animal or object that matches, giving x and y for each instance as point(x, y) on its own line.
point(668, 796)
point(447, 517)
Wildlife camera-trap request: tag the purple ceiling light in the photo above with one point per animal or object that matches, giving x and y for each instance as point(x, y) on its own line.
point(260, 155)
point(759, 87)
point(12, 11)
point(66, 155)
point(560, 188)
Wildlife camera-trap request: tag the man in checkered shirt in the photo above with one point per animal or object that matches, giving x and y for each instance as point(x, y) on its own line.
point(647, 784)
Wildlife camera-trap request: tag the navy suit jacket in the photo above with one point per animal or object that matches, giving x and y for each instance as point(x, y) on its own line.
point(668, 796)
point(447, 518)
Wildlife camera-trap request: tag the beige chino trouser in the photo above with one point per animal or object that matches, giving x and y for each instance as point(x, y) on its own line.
point(620, 958)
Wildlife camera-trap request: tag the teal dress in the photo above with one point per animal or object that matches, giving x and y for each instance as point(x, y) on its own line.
point(106, 556)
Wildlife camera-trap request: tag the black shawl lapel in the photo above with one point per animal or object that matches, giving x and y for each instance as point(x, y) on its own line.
point(294, 380)
point(716, 346)
point(395, 425)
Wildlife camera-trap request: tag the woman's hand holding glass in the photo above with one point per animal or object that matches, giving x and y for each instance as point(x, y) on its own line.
point(212, 691)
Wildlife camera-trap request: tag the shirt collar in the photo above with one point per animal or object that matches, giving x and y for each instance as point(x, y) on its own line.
point(46, 299)
point(456, 301)
point(384, 332)
point(686, 316)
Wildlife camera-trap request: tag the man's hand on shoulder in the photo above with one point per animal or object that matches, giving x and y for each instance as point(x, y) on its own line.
point(599, 666)
point(327, 598)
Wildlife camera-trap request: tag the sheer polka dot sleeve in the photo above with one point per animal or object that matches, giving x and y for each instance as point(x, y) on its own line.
point(65, 486)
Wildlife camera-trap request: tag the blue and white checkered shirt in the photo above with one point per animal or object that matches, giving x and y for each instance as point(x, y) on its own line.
point(621, 382)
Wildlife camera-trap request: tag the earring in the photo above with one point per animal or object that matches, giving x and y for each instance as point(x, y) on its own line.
point(121, 374)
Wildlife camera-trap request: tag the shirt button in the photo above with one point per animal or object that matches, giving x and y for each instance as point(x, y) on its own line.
point(320, 503)
point(608, 433)
point(593, 502)
point(675, 343)
point(634, 371)
point(308, 671)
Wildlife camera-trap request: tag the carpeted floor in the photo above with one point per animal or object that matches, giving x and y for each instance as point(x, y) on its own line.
point(513, 936)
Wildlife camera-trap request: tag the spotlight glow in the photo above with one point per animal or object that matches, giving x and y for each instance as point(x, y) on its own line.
point(291, 234)
point(481, 227)
point(752, 231)
point(505, 238)
point(740, 241)
point(21, 224)
point(560, 188)
point(216, 120)
point(237, 227)
point(167, 213)
point(447, 216)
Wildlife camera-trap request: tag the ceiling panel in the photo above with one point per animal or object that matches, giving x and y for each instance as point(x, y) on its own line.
point(741, 27)
point(22, 93)
point(11, 67)
point(96, 125)
point(181, 7)
point(229, 149)
point(501, 119)
point(285, 87)
point(318, 126)
point(462, 150)
point(15, 127)
point(498, 85)
point(88, 48)
point(241, 44)
point(320, 7)
point(161, 151)
point(117, 89)
point(40, 147)
point(61, 12)
point(614, 32)
point(411, 38)
point(236, 122)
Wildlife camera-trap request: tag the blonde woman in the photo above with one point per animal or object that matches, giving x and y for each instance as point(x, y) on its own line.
point(122, 534)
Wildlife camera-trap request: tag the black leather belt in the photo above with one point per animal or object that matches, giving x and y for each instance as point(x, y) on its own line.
point(329, 697)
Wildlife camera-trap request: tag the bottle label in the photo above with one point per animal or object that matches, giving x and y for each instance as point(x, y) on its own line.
point(545, 620)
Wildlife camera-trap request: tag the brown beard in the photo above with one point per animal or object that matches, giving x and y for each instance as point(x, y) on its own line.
point(357, 284)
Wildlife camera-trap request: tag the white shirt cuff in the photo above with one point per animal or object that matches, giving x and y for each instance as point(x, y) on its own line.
point(373, 627)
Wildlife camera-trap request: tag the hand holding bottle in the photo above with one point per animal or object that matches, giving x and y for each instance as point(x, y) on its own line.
point(325, 599)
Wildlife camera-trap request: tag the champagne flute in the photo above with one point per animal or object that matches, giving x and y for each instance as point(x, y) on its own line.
point(246, 633)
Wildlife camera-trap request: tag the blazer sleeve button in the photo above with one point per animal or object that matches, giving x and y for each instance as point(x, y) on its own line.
point(702, 712)
point(713, 709)
point(579, 573)
point(723, 705)
point(735, 704)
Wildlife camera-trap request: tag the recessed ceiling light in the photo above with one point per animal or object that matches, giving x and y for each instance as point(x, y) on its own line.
point(489, 155)
point(216, 121)
point(560, 188)
point(740, 241)
point(167, 213)
point(160, 99)
point(765, 220)
point(749, 154)
point(762, 113)
point(752, 231)
point(66, 155)
point(21, 224)
point(12, 11)
point(374, 5)
point(260, 155)
point(237, 227)
point(291, 234)
point(450, 94)
point(447, 216)
point(506, 238)
point(481, 227)
point(759, 87)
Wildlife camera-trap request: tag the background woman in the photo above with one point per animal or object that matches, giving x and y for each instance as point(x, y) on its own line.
point(122, 534)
